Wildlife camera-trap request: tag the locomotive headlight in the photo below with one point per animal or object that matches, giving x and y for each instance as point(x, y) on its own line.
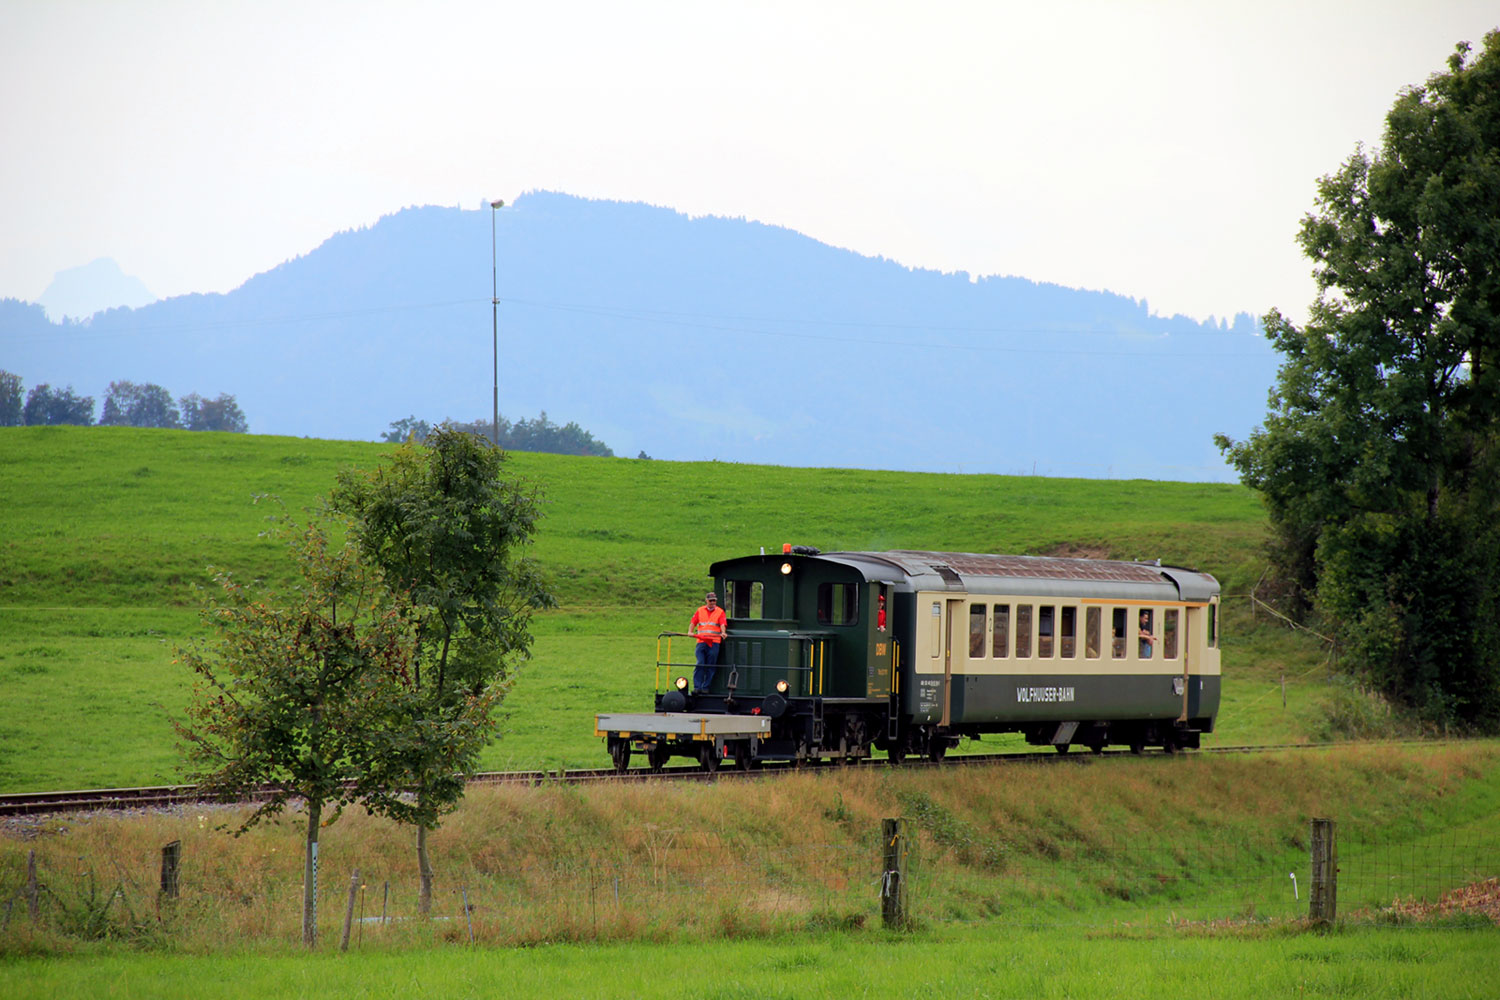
point(786, 569)
point(682, 683)
point(781, 686)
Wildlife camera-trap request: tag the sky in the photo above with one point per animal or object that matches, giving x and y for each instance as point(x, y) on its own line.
point(1165, 151)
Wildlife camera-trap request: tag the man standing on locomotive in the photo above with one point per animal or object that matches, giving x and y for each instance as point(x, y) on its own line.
point(709, 625)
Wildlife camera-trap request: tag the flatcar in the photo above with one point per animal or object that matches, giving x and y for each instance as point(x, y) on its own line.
point(835, 655)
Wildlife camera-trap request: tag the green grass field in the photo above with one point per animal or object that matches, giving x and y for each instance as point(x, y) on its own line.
point(963, 963)
point(1173, 877)
point(107, 531)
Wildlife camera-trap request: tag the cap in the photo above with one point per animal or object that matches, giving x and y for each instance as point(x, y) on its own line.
point(710, 596)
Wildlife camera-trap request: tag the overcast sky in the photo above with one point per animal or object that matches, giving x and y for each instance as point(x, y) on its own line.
point(1165, 151)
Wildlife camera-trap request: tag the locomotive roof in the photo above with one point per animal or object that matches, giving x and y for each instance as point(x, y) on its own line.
point(1040, 575)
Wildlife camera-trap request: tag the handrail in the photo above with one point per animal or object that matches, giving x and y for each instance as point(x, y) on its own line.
point(815, 668)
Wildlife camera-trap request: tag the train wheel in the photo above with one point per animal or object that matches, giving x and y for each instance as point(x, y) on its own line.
point(897, 753)
point(742, 757)
point(1063, 747)
point(708, 757)
point(1137, 747)
point(1096, 748)
point(936, 750)
point(620, 754)
point(658, 756)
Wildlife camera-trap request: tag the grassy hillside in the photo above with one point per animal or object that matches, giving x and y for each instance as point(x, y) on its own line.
point(108, 530)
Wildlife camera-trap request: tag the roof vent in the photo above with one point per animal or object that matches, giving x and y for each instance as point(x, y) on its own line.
point(952, 579)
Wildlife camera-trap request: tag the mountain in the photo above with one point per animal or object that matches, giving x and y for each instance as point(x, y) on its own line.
point(689, 338)
point(80, 292)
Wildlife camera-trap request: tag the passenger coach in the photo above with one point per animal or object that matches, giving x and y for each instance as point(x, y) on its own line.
point(835, 654)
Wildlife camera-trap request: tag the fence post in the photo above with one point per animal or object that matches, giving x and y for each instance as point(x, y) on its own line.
point(349, 910)
point(1322, 901)
point(171, 866)
point(893, 879)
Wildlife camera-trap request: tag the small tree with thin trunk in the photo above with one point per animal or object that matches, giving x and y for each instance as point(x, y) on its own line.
point(296, 691)
point(451, 533)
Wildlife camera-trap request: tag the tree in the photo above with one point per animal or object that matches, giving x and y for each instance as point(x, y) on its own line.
point(1380, 459)
point(221, 414)
point(450, 533)
point(11, 407)
point(46, 407)
point(540, 434)
point(128, 404)
point(296, 696)
point(406, 429)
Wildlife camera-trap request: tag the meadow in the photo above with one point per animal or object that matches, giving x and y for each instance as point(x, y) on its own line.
point(1079, 877)
point(1106, 861)
point(109, 534)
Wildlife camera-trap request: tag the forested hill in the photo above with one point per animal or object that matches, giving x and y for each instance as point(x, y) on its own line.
point(689, 339)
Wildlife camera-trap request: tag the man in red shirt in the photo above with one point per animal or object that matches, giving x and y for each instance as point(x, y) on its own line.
point(709, 625)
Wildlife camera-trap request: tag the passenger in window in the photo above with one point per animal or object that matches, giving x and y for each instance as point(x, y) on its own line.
point(1148, 641)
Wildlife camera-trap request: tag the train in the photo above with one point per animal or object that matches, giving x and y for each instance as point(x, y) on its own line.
point(833, 656)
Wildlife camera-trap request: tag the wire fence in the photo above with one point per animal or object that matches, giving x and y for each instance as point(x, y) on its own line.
point(691, 885)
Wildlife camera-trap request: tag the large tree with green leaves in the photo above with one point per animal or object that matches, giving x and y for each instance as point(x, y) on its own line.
point(296, 691)
point(451, 533)
point(1380, 459)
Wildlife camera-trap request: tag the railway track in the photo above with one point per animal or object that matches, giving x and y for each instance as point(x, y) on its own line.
point(170, 796)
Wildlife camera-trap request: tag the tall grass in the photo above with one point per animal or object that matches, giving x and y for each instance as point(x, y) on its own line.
point(1104, 844)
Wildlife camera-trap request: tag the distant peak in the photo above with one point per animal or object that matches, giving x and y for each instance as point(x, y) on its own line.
point(80, 292)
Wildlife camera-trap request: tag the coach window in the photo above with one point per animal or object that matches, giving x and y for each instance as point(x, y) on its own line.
point(1091, 622)
point(1067, 634)
point(1023, 630)
point(937, 630)
point(1000, 641)
point(1046, 619)
point(837, 604)
point(745, 598)
point(977, 628)
point(1213, 625)
point(1146, 635)
point(1169, 633)
point(1117, 621)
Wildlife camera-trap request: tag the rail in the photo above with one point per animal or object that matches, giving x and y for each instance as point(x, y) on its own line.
point(175, 796)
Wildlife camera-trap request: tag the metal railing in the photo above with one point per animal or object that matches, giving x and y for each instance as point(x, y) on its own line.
point(813, 669)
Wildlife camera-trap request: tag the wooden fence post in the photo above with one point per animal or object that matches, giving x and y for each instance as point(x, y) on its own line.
point(1322, 901)
point(349, 910)
point(893, 879)
point(171, 867)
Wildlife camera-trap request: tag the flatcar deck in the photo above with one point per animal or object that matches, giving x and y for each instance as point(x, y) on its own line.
point(631, 724)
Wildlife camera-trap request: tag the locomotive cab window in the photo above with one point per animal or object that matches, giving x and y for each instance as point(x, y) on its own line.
point(745, 598)
point(978, 626)
point(838, 604)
